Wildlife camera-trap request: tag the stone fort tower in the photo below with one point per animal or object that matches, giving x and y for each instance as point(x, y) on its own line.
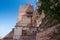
point(24, 21)
point(27, 24)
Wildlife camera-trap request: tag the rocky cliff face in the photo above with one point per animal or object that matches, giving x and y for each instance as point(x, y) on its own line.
point(56, 37)
point(46, 34)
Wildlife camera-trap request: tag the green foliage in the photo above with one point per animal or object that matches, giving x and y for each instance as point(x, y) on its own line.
point(51, 8)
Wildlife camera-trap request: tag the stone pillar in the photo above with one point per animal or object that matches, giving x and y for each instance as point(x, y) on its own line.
point(17, 33)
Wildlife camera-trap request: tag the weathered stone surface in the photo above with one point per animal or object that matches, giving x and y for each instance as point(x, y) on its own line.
point(46, 34)
point(28, 38)
point(56, 37)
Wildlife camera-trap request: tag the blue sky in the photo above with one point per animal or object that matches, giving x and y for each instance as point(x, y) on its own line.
point(8, 14)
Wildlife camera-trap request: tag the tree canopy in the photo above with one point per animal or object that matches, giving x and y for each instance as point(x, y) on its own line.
point(51, 8)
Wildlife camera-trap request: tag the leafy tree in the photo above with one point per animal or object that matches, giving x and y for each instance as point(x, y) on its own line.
point(52, 11)
point(51, 8)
